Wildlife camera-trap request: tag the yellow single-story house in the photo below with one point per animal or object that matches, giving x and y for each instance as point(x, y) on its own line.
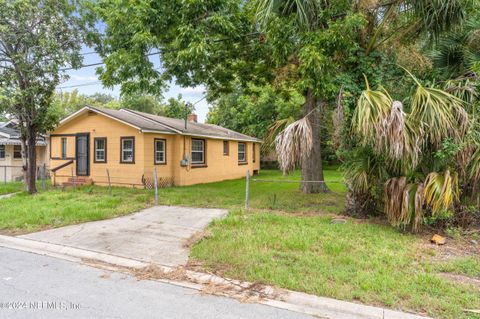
point(94, 145)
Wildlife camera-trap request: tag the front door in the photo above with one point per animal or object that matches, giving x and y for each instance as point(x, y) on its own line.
point(81, 151)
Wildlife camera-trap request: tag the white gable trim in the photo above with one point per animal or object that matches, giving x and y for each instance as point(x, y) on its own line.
point(5, 135)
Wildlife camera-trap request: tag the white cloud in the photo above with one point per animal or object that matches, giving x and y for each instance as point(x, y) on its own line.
point(192, 90)
point(83, 78)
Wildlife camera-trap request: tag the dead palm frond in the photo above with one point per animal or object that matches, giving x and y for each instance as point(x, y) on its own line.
point(441, 190)
point(381, 122)
point(393, 191)
point(418, 206)
point(273, 130)
point(373, 108)
point(403, 202)
point(294, 144)
point(439, 113)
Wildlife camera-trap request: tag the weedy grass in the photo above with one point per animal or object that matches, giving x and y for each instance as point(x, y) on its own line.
point(358, 261)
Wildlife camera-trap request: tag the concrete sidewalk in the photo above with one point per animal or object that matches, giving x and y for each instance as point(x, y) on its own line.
point(156, 234)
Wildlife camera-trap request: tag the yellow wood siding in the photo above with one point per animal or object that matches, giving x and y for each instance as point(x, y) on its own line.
point(100, 126)
point(218, 166)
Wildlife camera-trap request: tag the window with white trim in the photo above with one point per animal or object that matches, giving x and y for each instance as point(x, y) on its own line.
point(225, 148)
point(198, 151)
point(100, 144)
point(64, 147)
point(160, 150)
point(128, 150)
point(242, 152)
point(17, 151)
point(2, 152)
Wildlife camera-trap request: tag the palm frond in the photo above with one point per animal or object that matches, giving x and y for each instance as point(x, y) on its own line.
point(437, 16)
point(273, 130)
point(294, 144)
point(306, 11)
point(441, 190)
point(438, 113)
point(381, 122)
point(373, 107)
point(403, 202)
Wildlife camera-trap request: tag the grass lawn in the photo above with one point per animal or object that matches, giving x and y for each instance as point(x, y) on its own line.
point(55, 207)
point(286, 239)
point(359, 261)
point(278, 196)
point(10, 187)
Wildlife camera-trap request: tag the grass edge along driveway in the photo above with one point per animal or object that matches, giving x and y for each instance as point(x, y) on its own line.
point(357, 261)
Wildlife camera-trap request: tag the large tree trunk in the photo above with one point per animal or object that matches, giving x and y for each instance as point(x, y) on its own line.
point(23, 140)
point(312, 168)
point(31, 160)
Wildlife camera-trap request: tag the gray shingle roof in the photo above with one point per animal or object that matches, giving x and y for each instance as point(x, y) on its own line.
point(10, 131)
point(150, 122)
point(13, 137)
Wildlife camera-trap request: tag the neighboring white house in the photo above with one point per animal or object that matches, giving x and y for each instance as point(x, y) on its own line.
point(11, 152)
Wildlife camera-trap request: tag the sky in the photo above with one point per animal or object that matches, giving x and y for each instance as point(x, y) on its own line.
point(86, 82)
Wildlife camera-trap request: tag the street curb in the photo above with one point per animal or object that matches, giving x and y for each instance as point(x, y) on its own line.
point(279, 298)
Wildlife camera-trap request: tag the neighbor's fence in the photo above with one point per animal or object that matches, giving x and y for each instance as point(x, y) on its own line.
point(250, 179)
point(14, 173)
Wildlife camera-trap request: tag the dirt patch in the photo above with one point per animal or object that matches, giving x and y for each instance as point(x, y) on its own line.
point(195, 238)
point(461, 279)
point(453, 248)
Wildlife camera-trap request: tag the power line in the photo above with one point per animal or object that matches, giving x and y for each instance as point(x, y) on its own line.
point(79, 85)
point(156, 53)
point(100, 63)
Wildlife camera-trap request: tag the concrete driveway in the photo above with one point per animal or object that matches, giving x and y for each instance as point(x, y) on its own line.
point(156, 234)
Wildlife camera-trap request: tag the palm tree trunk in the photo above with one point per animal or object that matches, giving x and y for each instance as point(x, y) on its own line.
point(312, 168)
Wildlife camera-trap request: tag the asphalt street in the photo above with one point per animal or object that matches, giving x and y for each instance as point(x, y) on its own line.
point(35, 286)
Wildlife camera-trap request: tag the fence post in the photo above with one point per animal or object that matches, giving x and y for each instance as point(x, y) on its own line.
point(42, 176)
point(247, 181)
point(155, 182)
point(73, 180)
point(5, 174)
point(109, 183)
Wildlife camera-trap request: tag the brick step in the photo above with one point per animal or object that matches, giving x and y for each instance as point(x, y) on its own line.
point(79, 179)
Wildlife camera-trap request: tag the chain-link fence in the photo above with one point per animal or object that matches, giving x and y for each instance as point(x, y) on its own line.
point(275, 193)
point(14, 173)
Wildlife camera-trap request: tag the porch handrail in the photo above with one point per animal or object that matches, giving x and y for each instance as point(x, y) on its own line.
point(62, 166)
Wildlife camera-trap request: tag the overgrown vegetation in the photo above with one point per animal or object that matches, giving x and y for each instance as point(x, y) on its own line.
point(358, 261)
point(424, 154)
